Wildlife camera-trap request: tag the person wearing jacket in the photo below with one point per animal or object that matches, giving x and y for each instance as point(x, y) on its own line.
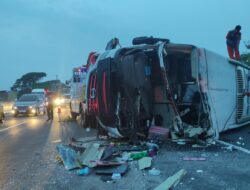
point(233, 41)
point(50, 107)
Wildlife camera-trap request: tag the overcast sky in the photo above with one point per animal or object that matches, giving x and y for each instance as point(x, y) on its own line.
point(53, 36)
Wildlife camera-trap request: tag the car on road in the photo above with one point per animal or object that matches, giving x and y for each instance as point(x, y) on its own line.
point(66, 99)
point(1, 113)
point(29, 104)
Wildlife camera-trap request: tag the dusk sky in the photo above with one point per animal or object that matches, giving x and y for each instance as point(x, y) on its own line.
point(53, 36)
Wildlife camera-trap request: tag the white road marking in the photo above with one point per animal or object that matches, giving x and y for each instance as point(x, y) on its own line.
point(234, 146)
point(57, 141)
point(12, 126)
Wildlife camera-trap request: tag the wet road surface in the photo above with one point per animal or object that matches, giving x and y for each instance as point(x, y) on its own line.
point(28, 151)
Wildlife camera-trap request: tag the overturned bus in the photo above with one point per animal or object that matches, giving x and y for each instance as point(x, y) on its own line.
point(192, 91)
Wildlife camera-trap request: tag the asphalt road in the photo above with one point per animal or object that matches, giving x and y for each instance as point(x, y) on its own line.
point(26, 142)
point(28, 151)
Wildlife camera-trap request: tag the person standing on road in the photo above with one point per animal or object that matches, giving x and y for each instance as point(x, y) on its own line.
point(59, 113)
point(233, 41)
point(50, 108)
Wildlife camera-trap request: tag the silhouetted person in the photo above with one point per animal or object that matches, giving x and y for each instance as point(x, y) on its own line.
point(50, 107)
point(233, 42)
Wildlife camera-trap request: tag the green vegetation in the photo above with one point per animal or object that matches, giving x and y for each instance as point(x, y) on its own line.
point(246, 58)
point(53, 85)
point(27, 81)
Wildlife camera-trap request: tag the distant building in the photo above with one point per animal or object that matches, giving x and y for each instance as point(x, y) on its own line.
point(4, 95)
point(7, 95)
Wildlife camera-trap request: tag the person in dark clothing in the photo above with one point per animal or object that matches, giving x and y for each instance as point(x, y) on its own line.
point(233, 42)
point(50, 108)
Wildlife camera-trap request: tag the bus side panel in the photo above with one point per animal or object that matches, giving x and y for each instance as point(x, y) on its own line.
point(106, 92)
point(221, 90)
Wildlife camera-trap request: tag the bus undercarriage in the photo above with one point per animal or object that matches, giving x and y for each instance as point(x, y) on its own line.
point(139, 89)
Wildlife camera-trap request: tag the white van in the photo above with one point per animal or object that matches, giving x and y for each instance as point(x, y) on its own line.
point(41, 92)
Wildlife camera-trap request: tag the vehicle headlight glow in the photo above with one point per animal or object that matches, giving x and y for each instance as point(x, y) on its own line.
point(58, 101)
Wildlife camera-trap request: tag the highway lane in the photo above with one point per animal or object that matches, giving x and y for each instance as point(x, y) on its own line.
point(26, 143)
point(28, 151)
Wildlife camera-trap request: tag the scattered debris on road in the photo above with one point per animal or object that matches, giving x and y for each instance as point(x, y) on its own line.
point(172, 181)
point(69, 156)
point(231, 146)
point(193, 158)
point(145, 163)
point(154, 172)
point(112, 159)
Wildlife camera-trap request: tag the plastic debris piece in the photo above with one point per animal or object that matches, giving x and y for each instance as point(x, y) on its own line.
point(194, 158)
point(199, 171)
point(154, 172)
point(204, 155)
point(106, 163)
point(152, 153)
point(116, 176)
point(171, 181)
point(83, 171)
point(181, 142)
point(152, 146)
point(69, 156)
point(122, 169)
point(158, 133)
point(198, 146)
point(130, 148)
point(59, 159)
point(138, 155)
point(57, 141)
point(145, 163)
point(192, 132)
point(125, 156)
point(230, 147)
point(107, 179)
point(108, 152)
point(92, 152)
